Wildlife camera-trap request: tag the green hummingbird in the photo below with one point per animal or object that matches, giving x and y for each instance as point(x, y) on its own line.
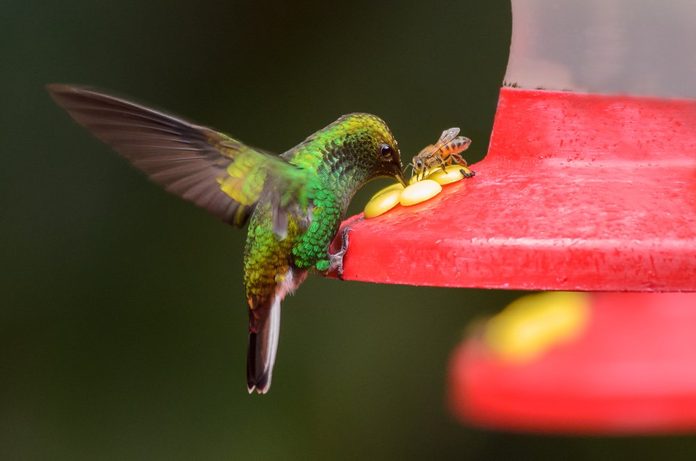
point(294, 202)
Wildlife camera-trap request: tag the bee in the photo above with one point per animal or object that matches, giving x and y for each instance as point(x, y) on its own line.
point(445, 152)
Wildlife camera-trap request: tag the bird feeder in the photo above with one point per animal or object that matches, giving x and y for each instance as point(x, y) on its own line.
point(584, 188)
point(605, 363)
point(577, 192)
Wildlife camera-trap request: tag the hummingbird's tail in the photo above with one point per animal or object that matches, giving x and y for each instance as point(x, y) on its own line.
point(264, 330)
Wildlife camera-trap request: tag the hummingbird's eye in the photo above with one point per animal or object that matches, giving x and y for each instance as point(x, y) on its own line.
point(386, 150)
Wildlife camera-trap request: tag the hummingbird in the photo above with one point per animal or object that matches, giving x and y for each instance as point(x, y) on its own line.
point(294, 203)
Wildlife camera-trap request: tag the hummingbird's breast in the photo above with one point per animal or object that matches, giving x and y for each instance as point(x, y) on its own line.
point(267, 255)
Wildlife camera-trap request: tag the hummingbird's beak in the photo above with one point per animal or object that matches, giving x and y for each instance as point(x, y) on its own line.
point(401, 179)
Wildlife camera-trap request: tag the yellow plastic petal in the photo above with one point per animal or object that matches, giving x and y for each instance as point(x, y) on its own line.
point(453, 174)
point(419, 192)
point(395, 186)
point(382, 202)
point(427, 173)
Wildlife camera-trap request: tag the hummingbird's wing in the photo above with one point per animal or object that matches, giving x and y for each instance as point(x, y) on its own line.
point(203, 166)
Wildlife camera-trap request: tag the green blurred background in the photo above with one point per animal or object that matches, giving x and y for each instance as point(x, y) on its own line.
point(123, 323)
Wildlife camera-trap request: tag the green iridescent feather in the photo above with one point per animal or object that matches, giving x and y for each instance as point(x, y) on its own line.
point(340, 159)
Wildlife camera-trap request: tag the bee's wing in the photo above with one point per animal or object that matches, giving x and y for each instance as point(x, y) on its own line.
point(201, 165)
point(448, 135)
point(427, 151)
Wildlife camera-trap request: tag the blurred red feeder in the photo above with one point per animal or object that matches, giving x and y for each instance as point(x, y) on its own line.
point(631, 369)
point(577, 192)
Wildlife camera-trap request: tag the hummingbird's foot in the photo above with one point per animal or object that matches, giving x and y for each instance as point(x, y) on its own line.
point(336, 259)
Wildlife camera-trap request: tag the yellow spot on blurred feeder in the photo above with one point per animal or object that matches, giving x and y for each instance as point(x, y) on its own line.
point(533, 324)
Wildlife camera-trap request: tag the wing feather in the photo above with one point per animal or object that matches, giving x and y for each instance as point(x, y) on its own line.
point(203, 166)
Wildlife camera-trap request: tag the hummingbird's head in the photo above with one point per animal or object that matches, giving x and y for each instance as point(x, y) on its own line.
point(371, 141)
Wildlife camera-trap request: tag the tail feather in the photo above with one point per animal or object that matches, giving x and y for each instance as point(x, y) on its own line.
point(264, 331)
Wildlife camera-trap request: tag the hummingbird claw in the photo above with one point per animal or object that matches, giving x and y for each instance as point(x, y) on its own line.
point(336, 259)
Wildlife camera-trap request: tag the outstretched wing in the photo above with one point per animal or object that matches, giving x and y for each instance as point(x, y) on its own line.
point(201, 165)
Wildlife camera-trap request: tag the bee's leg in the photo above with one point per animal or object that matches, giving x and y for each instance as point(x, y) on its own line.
point(443, 164)
point(458, 159)
point(464, 167)
point(413, 169)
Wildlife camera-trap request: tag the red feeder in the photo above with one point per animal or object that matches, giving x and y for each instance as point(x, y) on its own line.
point(581, 192)
point(577, 192)
point(630, 370)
